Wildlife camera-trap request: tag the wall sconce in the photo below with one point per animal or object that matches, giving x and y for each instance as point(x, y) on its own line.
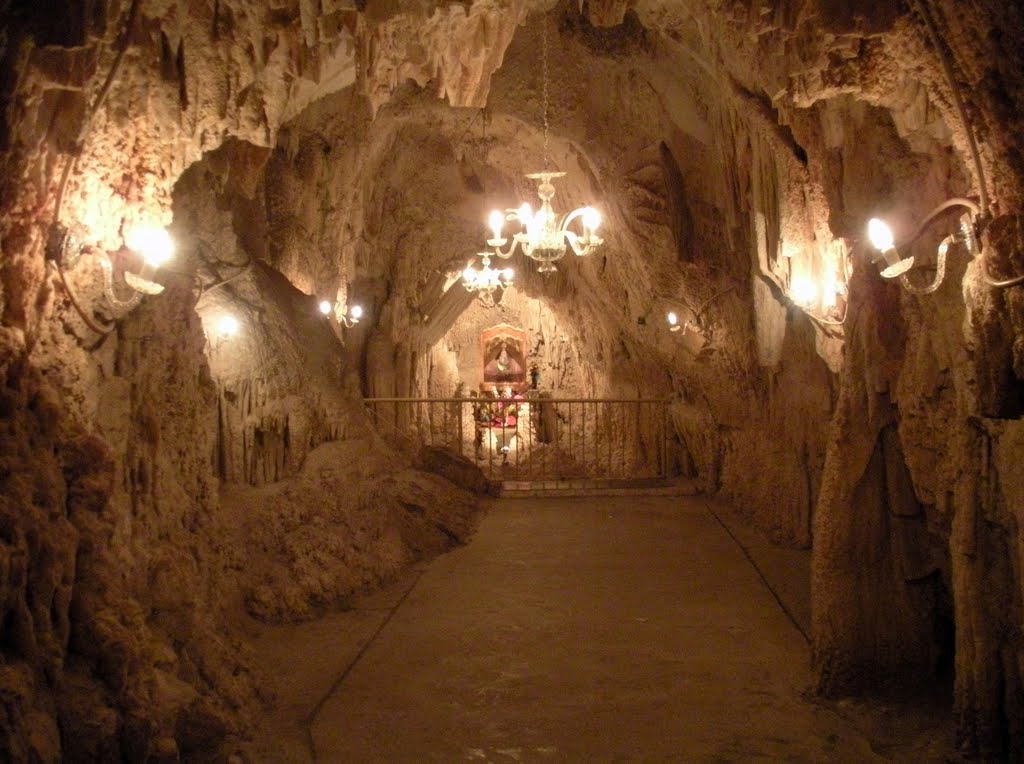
point(156, 248)
point(803, 292)
point(978, 214)
point(817, 290)
point(350, 316)
point(673, 321)
point(154, 245)
point(227, 327)
point(694, 333)
point(892, 265)
point(691, 332)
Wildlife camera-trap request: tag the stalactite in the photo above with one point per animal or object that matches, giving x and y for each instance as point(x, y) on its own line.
point(766, 203)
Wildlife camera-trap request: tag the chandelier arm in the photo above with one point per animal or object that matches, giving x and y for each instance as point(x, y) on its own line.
point(573, 239)
point(508, 252)
point(571, 216)
point(940, 271)
point(955, 202)
point(975, 209)
point(110, 291)
point(99, 328)
point(584, 251)
point(996, 283)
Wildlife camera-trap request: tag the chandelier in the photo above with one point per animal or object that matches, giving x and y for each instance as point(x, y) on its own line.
point(486, 280)
point(544, 237)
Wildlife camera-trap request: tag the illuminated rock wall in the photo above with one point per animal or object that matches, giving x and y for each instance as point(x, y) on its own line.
point(735, 150)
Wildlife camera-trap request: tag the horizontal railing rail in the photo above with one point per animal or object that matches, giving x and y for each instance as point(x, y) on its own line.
point(535, 438)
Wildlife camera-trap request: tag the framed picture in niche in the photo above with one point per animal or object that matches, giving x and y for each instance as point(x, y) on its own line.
point(503, 352)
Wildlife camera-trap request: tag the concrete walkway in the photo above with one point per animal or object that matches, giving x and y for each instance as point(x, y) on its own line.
point(584, 630)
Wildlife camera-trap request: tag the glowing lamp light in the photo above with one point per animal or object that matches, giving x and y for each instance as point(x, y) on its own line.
point(486, 280)
point(889, 263)
point(227, 326)
point(154, 244)
point(803, 291)
point(891, 266)
point(880, 235)
point(496, 220)
point(690, 334)
point(546, 236)
point(350, 316)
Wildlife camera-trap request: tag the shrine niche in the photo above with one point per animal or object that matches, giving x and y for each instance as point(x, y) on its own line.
point(503, 351)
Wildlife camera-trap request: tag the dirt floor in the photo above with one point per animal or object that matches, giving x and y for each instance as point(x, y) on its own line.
point(597, 629)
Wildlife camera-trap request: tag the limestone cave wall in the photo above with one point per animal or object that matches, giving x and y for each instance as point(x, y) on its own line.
point(128, 553)
point(308, 152)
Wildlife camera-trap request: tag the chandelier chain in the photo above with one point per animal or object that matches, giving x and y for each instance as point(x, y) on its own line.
point(545, 236)
point(544, 77)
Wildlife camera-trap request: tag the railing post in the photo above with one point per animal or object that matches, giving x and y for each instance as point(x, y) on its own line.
point(664, 439)
point(609, 427)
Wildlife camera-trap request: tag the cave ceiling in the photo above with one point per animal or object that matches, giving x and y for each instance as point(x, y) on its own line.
point(709, 134)
point(622, 75)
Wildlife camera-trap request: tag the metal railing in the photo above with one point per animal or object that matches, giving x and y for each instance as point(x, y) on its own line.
point(536, 439)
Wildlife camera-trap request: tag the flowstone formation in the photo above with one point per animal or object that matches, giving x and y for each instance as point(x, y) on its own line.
point(159, 473)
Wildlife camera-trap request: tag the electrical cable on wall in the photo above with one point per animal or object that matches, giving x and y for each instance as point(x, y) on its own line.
point(972, 142)
point(71, 164)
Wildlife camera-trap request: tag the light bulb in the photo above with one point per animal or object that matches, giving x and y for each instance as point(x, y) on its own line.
point(508, 273)
point(227, 326)
point(802, 290)
point(469, 275)
point(325, 307)
point(672, 318)
point(525, 214)
point(591, 218)
point(496, 220)
point(153, 243)
point(880, 235)
point(356, 312)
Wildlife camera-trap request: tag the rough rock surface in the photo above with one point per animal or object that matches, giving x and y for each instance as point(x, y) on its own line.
point(353, 517)
point(734, 148)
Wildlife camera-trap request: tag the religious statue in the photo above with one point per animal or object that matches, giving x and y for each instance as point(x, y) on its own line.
point(503, 366)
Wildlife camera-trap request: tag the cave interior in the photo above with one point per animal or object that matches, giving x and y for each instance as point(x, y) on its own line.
point(186, 438)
